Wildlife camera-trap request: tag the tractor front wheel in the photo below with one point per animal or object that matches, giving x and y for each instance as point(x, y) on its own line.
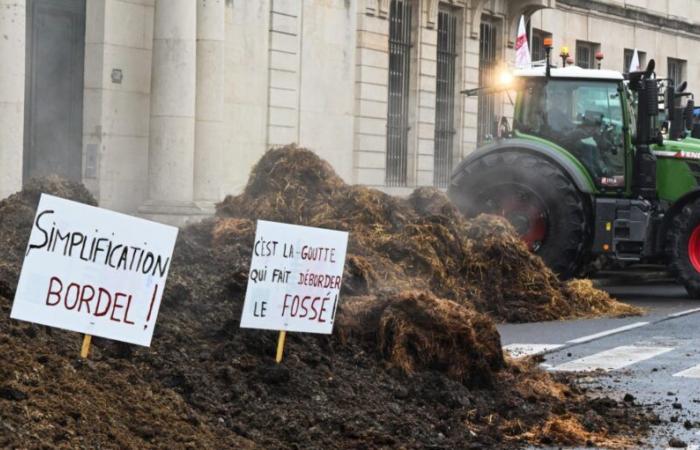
point(683, 247)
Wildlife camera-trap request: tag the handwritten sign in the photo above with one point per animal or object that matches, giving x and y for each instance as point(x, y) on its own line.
point(295, 278)
point(94, 271)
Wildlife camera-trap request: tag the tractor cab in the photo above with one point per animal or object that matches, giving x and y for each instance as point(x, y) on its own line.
point(583, 112)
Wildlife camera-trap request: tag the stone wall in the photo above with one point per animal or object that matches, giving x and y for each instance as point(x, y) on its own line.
point(116, 102)
point(12, 43)
point(314, 72)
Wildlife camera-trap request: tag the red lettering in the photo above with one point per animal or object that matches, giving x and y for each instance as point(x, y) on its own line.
point(52, 292)
point(116, 305)
point(295, 306)
point(304, 308)
point(284, 305)
point(126, 312)
point(76, 288)
point(323, 309)
point(85, 299)
point(313, 308)
point(99, 313)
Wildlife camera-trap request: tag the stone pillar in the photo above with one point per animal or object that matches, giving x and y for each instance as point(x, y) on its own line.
point(209, 125)
point(12, 51)
point(172, 125)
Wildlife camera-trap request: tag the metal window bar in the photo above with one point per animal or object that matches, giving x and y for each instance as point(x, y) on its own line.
point(445, 97)
point(675, 70)
point(583, 56)
point(487, 64)
point(399, 71)
point(537, 47)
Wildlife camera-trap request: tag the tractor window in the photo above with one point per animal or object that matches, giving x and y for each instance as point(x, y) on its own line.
point(584, 117)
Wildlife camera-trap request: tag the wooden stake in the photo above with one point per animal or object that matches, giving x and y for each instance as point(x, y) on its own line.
point(85, 349)
point(280, 346)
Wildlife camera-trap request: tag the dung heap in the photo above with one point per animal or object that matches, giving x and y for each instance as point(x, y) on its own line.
point(415, 360)
point(16, 216)
point(421, 242)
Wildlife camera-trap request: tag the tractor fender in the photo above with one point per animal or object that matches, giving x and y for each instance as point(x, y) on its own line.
point(568, 164)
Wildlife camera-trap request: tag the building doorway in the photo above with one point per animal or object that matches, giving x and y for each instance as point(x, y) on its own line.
point(53, 120)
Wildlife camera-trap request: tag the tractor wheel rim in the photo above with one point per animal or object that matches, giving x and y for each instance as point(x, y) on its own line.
point(524, 210)
point(694, 248)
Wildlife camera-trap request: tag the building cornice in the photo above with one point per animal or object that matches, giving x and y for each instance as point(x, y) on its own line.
point(636, 15)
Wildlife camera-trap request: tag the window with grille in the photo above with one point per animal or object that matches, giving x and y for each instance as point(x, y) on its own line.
point(628, 60)
point(399, 71)
point(445, 97)
point(585, 54)
point(676, 70)
point(486, 126)
point(537, 44)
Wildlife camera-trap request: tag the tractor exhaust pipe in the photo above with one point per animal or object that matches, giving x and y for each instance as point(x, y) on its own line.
point(644, 183)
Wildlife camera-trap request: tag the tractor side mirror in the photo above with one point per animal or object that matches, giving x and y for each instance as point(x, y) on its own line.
point(681, 87)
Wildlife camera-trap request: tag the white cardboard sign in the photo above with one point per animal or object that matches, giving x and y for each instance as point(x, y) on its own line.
point(94, 271)
point(295, 278)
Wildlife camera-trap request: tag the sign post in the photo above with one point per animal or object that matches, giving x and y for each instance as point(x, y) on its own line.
point(294, 281)
point(94, 271)
point(280, 346)
point(85, 348)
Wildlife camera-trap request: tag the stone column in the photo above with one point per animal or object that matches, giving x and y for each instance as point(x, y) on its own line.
point(209, 124)
point(173, 86)
point(12, 51)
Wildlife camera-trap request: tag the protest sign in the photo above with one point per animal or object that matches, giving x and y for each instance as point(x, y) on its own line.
point(294, 279)
point(94, 271)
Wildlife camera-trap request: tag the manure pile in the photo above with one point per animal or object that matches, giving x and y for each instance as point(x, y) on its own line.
point(415, 360)
point(420, 243)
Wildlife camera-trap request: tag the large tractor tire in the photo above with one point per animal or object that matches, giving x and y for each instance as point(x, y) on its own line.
point(538, 199)
point(683, 247)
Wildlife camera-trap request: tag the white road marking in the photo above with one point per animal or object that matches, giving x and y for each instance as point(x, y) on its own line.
point(693, 372)
point(684, 313)
point(590, 337)
point(613, 359)
point(522, 350)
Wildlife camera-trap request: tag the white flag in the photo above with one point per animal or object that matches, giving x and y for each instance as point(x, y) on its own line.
point(634, 63)
point(522, 51)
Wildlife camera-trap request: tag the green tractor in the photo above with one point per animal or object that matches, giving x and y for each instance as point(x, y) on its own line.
point(592, 170)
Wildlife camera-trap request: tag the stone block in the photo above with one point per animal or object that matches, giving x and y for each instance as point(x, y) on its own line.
point(370, 160)
point(373, 75)
point(370, 143)
point(284, 42)
point(284, 23)
point(373, 58)
point(284, 98)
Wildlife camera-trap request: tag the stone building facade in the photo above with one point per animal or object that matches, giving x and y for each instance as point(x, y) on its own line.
point(161, 107)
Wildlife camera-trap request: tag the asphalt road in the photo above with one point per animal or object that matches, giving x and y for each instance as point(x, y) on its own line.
point(655, 357)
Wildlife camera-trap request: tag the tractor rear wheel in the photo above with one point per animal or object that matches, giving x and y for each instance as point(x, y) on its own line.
point(683, 247)
point(536, 197)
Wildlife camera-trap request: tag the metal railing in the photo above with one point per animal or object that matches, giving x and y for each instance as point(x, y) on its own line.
point(445, 97)
point(486, 126)
point(399, 77)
